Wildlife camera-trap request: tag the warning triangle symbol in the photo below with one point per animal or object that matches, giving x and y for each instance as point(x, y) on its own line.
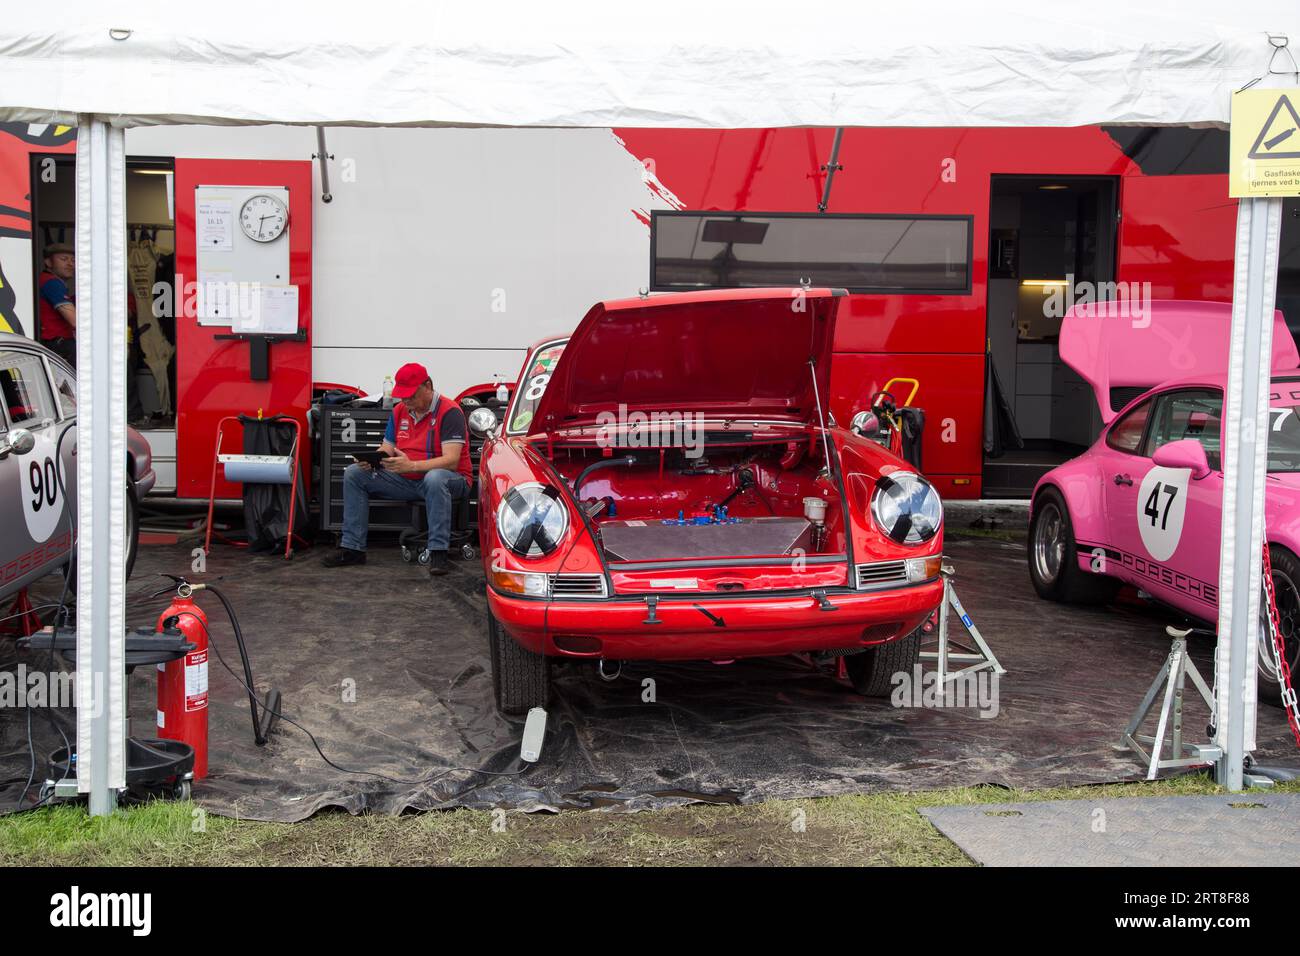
point(1280, 136)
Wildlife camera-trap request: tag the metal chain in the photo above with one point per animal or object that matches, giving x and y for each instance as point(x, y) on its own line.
point(1277, 645)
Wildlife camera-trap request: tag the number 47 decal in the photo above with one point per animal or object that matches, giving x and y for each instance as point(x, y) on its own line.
point(1152, 508)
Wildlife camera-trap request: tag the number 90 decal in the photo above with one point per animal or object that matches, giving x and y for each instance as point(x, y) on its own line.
point(44, 483)
point(1161, 508)
point(42, 504)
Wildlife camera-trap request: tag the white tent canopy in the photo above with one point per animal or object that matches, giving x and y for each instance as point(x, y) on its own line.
point(670, 63)
point(584, 64)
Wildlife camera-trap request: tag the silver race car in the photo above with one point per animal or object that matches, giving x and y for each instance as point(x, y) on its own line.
point(38, 401)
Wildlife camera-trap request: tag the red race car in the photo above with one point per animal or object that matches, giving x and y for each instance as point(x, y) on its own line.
point(665, 487)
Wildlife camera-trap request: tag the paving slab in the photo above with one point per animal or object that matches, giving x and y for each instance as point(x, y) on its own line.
point(1257, 828)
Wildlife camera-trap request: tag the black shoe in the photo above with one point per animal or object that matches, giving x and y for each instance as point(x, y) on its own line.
point(439, 563)
point(343, 556)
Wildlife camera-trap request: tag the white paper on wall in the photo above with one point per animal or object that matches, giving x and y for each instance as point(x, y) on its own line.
point(275, 312)
point(217, 302)
point(215, 224)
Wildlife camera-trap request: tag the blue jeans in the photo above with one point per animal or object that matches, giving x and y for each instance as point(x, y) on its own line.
point(435, 488)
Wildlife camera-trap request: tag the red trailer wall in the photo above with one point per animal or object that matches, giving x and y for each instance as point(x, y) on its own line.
point(212, 376)
point(1176, 232)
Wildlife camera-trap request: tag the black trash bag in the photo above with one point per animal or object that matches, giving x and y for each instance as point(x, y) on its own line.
point(266, 507)
point(912, 422)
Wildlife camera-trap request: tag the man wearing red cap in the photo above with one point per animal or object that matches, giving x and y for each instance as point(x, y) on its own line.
point(429, 462)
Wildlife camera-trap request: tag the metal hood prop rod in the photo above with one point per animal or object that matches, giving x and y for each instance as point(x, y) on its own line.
point(323, 155)
point(830, 169)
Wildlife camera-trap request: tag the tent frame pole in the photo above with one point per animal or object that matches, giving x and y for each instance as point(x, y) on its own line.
point(101, 469)
point(1245, 446)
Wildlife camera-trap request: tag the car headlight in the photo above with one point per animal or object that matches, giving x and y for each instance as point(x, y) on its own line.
point(907, 508)
point(482, 420)
point(532, 520)
point(920, 570)
point(528, 583)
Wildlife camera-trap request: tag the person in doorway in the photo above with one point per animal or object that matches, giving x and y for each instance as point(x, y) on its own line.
point(58, 309)
point(428, 445)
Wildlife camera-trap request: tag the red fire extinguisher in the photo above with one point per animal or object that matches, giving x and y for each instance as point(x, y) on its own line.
point(183, 684)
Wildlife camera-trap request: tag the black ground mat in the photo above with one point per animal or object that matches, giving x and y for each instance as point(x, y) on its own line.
point(390, 672)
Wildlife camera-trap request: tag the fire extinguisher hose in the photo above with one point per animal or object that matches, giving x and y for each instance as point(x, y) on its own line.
point(272, 705)
point(259, 732)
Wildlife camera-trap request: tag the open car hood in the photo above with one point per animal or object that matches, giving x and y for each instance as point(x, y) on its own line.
point(735, 353)
point(1112, 346)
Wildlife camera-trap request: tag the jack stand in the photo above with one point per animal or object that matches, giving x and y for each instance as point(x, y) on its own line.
point(974, 658)
point(1178, 666)
point(21, 619)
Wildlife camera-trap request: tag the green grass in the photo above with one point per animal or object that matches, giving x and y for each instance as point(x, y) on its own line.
point(870, 829)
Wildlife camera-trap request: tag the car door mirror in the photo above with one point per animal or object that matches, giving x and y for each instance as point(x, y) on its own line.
point(19, 441)
point(1188, 453)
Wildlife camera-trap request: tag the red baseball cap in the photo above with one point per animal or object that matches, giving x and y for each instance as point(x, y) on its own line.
point(408, 380)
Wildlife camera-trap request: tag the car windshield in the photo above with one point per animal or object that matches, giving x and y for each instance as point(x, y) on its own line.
point(1284, 426)
point(531, 386)
point(25, 389)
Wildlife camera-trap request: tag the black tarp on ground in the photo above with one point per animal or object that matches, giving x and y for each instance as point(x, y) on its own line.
point(415, 653)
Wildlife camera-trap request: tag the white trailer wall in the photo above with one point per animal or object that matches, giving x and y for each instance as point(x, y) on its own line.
point(457, 248)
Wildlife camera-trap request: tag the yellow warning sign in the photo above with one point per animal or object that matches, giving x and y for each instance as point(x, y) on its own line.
point(1264, 144)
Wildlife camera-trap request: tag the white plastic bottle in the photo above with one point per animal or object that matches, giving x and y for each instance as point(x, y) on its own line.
point(388, 391)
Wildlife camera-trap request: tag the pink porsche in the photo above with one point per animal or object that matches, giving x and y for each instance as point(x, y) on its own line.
point(1142, 505)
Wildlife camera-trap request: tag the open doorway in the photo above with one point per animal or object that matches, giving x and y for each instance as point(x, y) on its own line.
point(1047, 236)
point(1288, 266)
point(151, 267)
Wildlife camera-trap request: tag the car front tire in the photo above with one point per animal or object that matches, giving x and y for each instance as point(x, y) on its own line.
point(1054, 558)
point(871, 673)
point(132, 527)
point(132, 539)
point(1286, 587)
point(521, 680)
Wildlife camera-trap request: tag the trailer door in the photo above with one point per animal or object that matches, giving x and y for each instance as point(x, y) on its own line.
point(238, 258)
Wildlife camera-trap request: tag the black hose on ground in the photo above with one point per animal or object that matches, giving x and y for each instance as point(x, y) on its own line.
point(258, 734)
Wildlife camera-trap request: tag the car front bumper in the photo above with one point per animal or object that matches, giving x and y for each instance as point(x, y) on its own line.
point(686, 627)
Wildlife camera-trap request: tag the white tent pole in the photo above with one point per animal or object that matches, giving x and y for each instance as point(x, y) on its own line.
point(1245, 458)
point(101, 461)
